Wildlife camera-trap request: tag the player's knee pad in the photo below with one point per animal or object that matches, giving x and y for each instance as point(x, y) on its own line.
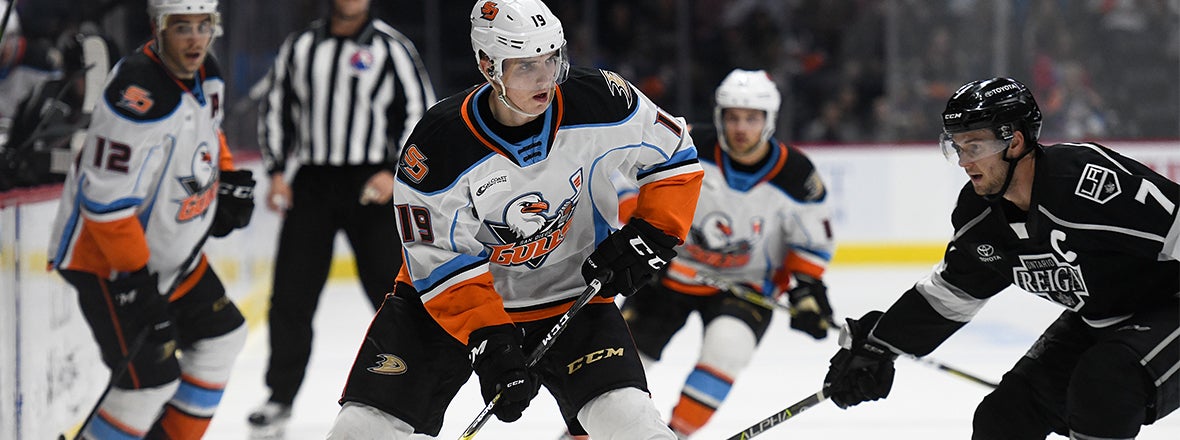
point(728, 345)
point(1010, 412)
point(1108, 393)
point(129, 413)
point(357, 421)
point(624, 413)
point(205, 371)
point(211, 359)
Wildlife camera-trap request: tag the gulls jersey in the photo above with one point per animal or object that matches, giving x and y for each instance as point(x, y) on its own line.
point(494, 226)
point(1100, 239)
point(755, 225)
point(143, 189)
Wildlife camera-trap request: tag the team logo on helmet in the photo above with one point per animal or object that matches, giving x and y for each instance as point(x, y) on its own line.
point(489, 10)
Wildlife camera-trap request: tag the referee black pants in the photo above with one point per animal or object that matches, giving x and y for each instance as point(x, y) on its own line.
point(325, 200)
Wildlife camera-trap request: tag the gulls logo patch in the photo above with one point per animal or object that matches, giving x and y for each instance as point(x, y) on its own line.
point(201, 185)
point(528, 233)
point(713, 241)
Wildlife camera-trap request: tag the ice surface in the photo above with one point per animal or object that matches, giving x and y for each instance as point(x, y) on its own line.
point(925, 403)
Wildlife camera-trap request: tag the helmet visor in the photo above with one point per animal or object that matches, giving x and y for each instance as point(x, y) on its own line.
point(535, 73)
point(968, 149)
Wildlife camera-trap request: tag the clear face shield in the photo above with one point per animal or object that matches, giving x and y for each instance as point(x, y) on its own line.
point(541, 72)
point(964, 148)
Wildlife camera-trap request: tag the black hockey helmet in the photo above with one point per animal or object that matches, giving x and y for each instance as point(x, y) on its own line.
point(1001, 104)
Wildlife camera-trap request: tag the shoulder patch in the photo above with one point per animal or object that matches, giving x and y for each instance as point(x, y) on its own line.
point(140, 90)
point(618, 86)
point(1098, 184)
point(135, 99)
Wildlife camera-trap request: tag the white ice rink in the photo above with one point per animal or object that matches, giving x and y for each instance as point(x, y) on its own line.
point(925, 403)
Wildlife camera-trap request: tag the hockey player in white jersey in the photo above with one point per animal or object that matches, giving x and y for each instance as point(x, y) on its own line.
point(1074, 223)
point(504, 196)
point(761, 225)
point(136, 209)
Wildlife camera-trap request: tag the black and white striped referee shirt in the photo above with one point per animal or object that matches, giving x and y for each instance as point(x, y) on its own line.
point(341, 101)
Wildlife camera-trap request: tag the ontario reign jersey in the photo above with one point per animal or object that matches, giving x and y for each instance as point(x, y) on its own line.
point(755, 225)
point(143, 189)
point(1100, 239)
point(495, 226)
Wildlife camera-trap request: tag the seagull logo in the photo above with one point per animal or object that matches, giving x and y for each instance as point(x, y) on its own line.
point(532, 228)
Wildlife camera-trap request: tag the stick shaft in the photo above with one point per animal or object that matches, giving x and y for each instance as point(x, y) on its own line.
point(547, 342)
point(781, 416)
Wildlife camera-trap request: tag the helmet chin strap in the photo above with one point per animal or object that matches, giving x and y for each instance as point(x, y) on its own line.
point(504, 99)
point(1007, 179)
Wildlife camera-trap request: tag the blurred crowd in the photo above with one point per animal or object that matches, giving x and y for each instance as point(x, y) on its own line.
point(851, 70)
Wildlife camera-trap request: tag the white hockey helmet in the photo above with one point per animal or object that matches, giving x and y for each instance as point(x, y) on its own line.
point(752, 89)
point(158, 10)
point(506, 29)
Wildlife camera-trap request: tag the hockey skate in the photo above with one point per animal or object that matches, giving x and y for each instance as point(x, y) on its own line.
point(269, 421)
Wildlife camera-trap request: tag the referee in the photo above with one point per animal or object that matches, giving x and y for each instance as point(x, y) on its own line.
point(344, 95)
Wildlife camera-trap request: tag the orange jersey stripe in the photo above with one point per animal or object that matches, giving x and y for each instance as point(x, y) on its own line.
point(549, 312)
point(627, 207)
point(118, 424)
point(689, 289)
point(226, 160)
point(793, 263)
point(121, 243)
point(468, 306)
point(669, 204)
point(190, 281)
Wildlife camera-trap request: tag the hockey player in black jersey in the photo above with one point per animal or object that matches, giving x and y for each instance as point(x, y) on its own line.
point(504, 196)
point(1074, 223)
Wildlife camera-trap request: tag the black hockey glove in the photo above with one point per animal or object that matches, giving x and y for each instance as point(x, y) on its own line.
point(810, 311)
point(633, 256)
point(497, 359)
point(235, 202)
point(862, 370)
point(137, 299)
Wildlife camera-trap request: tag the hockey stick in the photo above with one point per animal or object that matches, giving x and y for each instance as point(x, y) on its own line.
point(140, 339)
point(953, 371)
point(781, 416)
point(756, 298)
point(547, 342)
